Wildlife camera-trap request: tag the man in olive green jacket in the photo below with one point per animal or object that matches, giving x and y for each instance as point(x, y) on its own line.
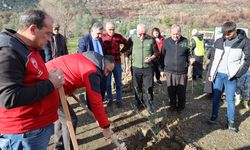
point(144, 51)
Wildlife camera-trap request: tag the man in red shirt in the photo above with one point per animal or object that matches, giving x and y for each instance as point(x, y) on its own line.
point(84, 70)
point(111, 46)
point(28, 95)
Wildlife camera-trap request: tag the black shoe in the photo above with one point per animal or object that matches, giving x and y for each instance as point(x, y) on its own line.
point(232, 127)
point(139, 107)
point(212, 121)
point(109, 103)
point(119, 104)
point(172, 108)
point(159, 82)
point(194, 78)
point(179, 110)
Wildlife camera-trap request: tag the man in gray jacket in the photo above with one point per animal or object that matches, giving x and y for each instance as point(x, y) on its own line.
point(231, 61)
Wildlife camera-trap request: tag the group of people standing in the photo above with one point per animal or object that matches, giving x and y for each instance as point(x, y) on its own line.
point(30, 105)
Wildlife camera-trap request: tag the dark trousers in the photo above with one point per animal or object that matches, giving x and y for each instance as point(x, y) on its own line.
point(176, 86)
point(62, 137)
point(177, 92)
point(198, 66)
point(156, 71)
point(143, 77)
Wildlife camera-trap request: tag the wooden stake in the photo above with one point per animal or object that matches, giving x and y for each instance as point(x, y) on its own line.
point(68, 118)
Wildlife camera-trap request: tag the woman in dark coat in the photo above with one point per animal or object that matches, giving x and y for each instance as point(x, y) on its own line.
point(208, 86)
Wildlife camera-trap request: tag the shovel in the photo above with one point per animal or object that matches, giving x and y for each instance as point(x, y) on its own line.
point(68, 118)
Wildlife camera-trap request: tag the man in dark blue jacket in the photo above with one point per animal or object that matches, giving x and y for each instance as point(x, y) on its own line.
point(92, 41)
point(174, 65)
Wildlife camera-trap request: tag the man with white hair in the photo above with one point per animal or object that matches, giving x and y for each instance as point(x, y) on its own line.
point(111, 43)
point(144, 51)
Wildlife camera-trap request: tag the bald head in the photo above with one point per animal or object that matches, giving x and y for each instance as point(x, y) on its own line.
point(175, 32)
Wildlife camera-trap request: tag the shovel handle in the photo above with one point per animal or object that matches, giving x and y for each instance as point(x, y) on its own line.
point(68, 118)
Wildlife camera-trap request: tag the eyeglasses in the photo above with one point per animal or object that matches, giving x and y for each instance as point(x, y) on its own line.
point(142, 34)
point(111, 29)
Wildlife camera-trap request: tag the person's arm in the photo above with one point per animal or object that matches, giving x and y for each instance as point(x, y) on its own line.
point(13, 93)
point(245, 66)
point(127, 54)
point(125, 43)
point(193, 44)
point(65, 51)
point(93, 89)
point(155, 52)
point(161, 59)
point(81, 46)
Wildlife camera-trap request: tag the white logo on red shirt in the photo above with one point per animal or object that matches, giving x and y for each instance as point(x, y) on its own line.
point(35, 64)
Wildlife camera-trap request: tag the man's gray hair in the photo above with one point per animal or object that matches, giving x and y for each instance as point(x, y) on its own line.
point(97, 25)
point(32, 16)
point(110, 23)
point(176, 26)
point(141, 25)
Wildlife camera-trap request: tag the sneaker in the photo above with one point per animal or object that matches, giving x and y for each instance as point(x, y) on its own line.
point(159, 82)
point(151, 109)
point(212, 121)
point(231, 127)
point(237, 102)
point(119, 104)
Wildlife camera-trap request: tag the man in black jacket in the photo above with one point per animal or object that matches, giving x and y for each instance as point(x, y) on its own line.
point(57, 46)
point(174, 65)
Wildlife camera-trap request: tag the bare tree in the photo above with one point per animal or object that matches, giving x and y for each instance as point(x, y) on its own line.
point(64, 11)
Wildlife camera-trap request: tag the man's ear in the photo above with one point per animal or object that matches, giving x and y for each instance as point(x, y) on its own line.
point(32, 28)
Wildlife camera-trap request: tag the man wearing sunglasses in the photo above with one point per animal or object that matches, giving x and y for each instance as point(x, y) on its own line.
point(144, 51)
point(231, 61)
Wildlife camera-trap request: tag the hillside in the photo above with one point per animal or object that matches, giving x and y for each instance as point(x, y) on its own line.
point(16, 5)
point(76, 16)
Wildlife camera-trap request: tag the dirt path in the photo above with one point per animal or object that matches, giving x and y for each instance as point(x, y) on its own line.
point(172, 131)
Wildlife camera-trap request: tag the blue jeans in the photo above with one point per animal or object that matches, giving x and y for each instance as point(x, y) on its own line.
point(118, 82)
point(31, 140)
point(221, 80)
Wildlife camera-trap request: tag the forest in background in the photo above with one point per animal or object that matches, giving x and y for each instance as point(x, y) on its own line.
point(76, 16)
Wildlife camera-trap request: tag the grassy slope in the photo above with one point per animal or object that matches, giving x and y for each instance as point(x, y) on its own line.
point(72, 44)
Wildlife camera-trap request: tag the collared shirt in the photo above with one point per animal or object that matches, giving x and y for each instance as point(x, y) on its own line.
point(97, 46)
point(112, 44)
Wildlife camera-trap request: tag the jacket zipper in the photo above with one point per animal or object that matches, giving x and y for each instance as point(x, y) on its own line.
point(176, 44)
